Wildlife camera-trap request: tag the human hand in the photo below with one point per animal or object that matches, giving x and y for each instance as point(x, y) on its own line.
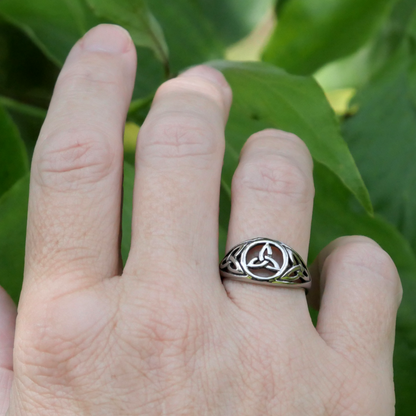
point(164, 336)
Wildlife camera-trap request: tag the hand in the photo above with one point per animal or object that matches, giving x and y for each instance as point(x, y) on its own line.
point(165, 336)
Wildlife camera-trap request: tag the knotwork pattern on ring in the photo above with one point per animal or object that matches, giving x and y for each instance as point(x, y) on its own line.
point(267, 261)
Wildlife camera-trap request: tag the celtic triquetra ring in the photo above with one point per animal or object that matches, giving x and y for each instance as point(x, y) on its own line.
point(267, 262)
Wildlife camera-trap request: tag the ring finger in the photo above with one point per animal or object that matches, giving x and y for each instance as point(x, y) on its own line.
point(272, 196)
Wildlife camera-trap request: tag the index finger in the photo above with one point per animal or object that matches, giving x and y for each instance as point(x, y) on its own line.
point(75, 192)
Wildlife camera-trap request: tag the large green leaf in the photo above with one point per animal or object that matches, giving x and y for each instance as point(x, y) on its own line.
point(26, 75)
point(13, 216)
point(54, 28)
point(311, 33)
point(135, 16)
point(195, 31)
point(190, 36)
point(381, 136)
point(352, 71)
point(200, 30)
point(266, 96)
point(13, 157)
point(28, 119)
point(336, 215)
point(357, 69)
point(235, 19)
point(398, 27)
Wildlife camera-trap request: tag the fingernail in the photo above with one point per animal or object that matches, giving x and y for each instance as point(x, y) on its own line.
point(107, 38)
point(209, 73)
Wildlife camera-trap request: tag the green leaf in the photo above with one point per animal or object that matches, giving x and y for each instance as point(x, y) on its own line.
point(13, 157)
point(127, 212)
point(149, 75)
point(224, 217)
point(26, 75)
point(381, 136)
point(235, 19)
point(280, 5)
point(199, 30)
point(311, 33)
point(356, 70)
point(399, 25)
point(135, 16)
point(28, 119)
point(352, 71)
point(336, 215)
point(268, 97)
point(13, 217)
point(54, 28)
point(195, 31)
point(190, 36)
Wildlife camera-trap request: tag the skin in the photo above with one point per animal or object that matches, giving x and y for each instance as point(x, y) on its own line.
point(164, 336)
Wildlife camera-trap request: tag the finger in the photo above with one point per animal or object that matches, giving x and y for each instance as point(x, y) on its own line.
point(360, 294)
point(179, 160)
point(8, 314)
point(75, 195)
point(6, 380)
point(272, 196)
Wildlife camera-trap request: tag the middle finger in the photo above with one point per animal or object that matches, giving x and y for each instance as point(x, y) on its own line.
point(178, 170)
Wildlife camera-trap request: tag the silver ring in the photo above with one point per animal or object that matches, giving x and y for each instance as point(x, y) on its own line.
point(266, 262)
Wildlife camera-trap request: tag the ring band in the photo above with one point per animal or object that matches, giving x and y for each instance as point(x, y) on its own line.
point(266, 262)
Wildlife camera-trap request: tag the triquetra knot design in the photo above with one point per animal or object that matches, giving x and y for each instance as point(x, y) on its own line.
point(265, 260)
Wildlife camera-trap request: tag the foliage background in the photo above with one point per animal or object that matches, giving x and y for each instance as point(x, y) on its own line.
point(341, 74)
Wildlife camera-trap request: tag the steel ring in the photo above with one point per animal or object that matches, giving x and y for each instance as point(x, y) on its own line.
point(267, 262)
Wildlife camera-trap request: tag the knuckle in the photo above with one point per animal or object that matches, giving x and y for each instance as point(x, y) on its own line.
point(176, 135)
point(275, 174)
point(367, 256)
point(73, 159)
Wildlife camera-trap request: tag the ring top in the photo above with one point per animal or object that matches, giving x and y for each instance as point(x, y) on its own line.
point(265, 261)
